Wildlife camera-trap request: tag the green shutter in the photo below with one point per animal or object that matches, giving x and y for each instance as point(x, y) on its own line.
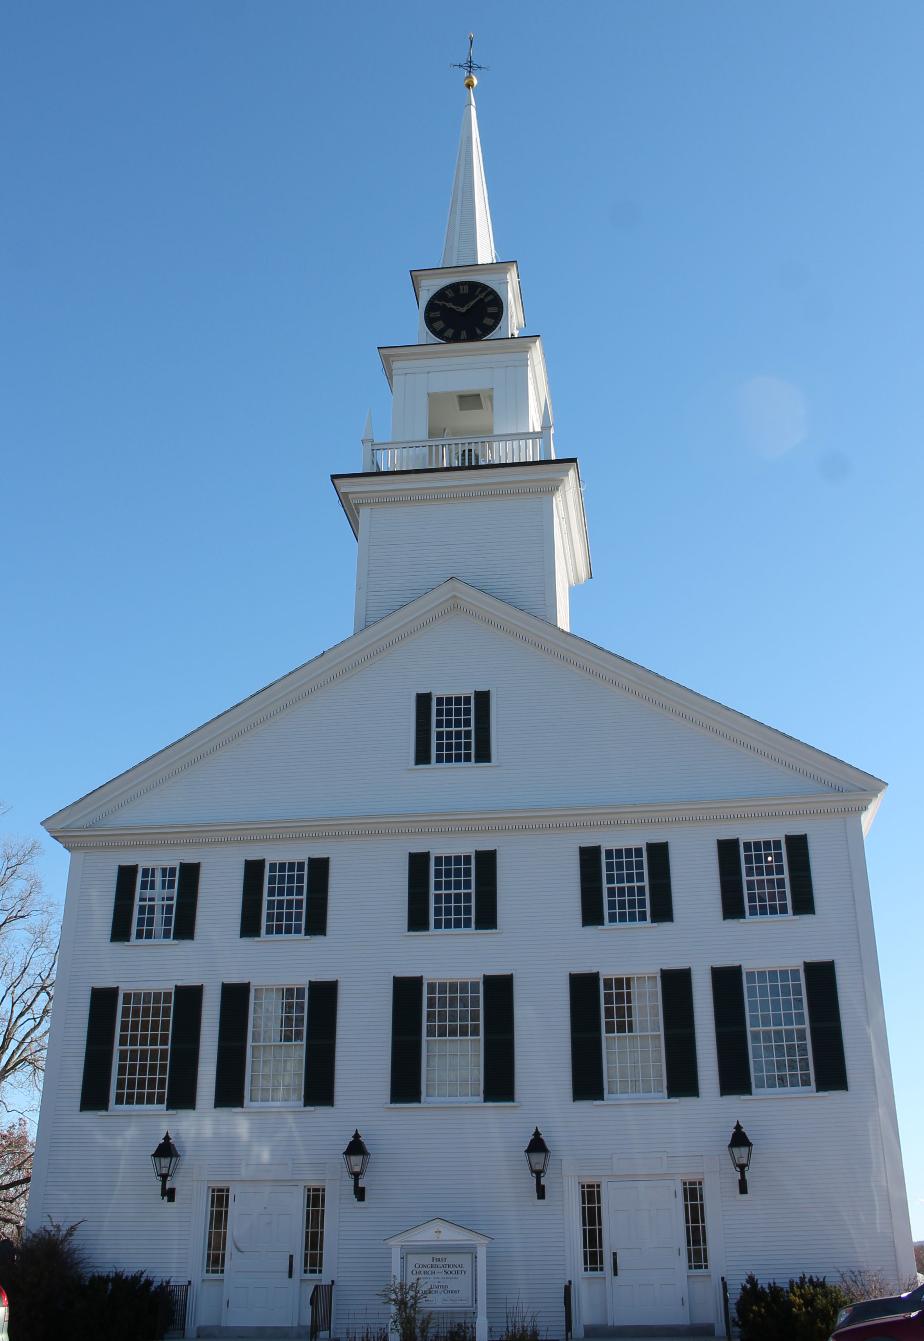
point(731, 881)
point(231, 1062)
point(486, 891)
point(406, 1039)
point(800, 874)
point(124, 905)
point(252, 898)
point(316, 910)
point(679, 1033)
point(183, 1071)
point(731, 1030)
point(660, 898)
point(497, 1015)
point(824, 1014)
point(320, 1045)
point(97, 1060)
point(586, 1036)
point(591, 869)
point(187, 899)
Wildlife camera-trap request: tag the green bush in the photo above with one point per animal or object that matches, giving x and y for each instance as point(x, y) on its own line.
point(409, 1320)
point(122, 1307)
point(519, 1325)
point(52, 1297)
point(805, 1310)
point(44, 1282)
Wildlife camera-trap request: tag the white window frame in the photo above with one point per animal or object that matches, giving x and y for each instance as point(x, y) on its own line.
point(614, 921)
point(322, 1188)
point(159, 1106)
point(593, 1273)
point(774, 1090)
point(210, 1190)
point(688, 1226)
point(451, 856)
point(767, 916)
point(632, 1096)
point(158, 901)
point(453, 693)
point(282, 935)
point(453, 1098)
point(297, 1102)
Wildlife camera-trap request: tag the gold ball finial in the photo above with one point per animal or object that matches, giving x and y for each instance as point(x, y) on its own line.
point(470, 81)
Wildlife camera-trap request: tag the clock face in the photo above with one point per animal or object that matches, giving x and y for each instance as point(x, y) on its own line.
point(464, 310)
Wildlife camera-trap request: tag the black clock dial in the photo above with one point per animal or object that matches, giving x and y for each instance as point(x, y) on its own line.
point(463, 310)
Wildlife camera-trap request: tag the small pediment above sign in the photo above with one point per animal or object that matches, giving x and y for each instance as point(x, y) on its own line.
point(437, 1231)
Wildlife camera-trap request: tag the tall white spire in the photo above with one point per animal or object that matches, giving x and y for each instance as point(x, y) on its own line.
point(469, 235)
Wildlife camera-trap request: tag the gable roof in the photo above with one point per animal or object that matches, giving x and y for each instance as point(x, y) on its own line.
point(455, 597)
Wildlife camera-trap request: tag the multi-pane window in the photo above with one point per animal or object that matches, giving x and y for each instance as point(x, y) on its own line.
point(765, 878)
point(632, 1036)
point(694, 1216)
point(778, 1029)
point(453, 1039)
point(285, 898)
point(143, 1050)
point(277, 1045)
point(452, 892)
point(217, 1234)
point(452, 728)
point(626, 897)
point(592, 1227)
point(156, 903)
point(313, 1263)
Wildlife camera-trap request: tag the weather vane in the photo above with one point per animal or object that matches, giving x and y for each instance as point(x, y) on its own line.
point(469, 66)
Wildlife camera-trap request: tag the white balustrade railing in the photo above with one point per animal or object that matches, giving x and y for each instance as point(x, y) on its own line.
point(439, 453)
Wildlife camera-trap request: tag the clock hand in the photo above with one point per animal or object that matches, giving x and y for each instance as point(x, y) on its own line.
point(477, 299)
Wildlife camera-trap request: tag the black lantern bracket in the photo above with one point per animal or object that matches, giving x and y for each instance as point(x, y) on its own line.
point(537, 1157)
point(740, 1150)
point(165, 1160)
point(356, 1158)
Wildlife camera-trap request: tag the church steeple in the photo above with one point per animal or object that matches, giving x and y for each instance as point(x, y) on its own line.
point(469, 484)
point(469, 234)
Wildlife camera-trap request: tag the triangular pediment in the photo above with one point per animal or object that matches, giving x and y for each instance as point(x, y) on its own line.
point(437, 1231)
point(323, 744)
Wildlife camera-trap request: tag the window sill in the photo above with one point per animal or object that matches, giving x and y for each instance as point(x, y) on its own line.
point(273, 1108)
point(462, 931)
point(139, 1110)
point(619, 1101)
point(158, 940)
point(440, 1105)
point(430, 768)
point(785, 1094)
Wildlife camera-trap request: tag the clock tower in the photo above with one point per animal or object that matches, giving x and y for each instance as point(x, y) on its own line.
point(469, 484)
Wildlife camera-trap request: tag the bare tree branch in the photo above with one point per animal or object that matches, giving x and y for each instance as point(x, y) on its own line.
point(28, 958)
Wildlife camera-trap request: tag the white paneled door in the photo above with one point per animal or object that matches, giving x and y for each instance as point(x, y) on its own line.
point(262, 1269)
point(647, 1261)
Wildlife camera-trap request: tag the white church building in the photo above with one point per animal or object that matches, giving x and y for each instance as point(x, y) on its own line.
point(463, 878)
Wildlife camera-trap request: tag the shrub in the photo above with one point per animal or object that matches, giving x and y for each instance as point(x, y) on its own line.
point(122, 1307)
point(409, 1320)
point(804, 1311)
point(859, 1284)
point(44, 1282)
point(519, 1325)
point(52, 1297)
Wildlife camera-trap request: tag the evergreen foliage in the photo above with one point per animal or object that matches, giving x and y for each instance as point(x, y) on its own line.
point(805, 1310)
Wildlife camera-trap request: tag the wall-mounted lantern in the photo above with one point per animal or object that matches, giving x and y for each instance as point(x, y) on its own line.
point(537, 1157)
point(356, 1157)
point(165, 1159)
point(739, 1148)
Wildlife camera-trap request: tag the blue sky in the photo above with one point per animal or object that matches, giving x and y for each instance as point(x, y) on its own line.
point(210, 212)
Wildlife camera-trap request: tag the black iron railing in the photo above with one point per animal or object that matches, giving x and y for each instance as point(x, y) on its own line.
point(179, 1298)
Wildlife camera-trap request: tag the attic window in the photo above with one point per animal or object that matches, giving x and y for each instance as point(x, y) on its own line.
point(470, 401)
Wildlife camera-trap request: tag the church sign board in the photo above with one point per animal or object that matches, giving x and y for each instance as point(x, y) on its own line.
point(448, 1276)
